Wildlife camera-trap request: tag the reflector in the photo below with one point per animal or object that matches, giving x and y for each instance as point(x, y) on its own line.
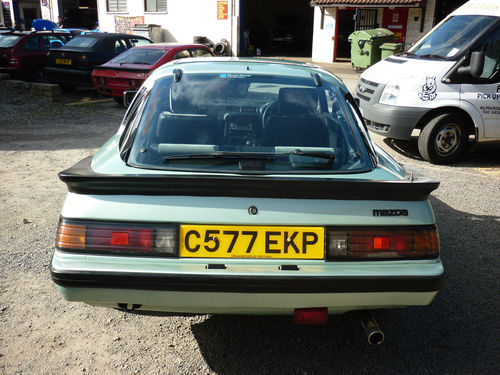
point(311, 316)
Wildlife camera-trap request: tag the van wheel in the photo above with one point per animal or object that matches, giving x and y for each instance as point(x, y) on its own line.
point(443, 139)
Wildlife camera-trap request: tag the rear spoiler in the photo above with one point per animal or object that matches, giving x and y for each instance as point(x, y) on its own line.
point(81, 179)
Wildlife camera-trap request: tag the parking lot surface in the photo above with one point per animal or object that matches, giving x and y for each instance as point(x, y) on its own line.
point(40, 333)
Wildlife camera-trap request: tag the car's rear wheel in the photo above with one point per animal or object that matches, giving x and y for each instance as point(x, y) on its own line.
point(40, 75)
point(443, 139)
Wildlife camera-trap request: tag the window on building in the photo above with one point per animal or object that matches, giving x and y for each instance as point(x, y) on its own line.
point(155, 5)
point(117, 5)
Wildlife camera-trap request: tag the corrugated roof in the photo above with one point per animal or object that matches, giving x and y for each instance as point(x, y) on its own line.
point(367, 2)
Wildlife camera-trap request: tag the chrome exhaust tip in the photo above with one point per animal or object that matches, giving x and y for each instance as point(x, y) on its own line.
point(374, 334)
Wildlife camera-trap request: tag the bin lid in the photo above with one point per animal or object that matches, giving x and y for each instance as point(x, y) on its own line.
point(391, 46)
point(372, 34)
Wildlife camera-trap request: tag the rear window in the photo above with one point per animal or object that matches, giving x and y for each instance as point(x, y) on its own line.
point(7, 41)
point(82, 42)
point(144, 56)
point(244, 123)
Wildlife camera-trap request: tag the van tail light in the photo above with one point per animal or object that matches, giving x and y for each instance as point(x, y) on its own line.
point(117, 238)
point(383, 243)
point(14, 62)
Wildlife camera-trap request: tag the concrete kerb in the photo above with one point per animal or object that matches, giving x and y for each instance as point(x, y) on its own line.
point(48, 90)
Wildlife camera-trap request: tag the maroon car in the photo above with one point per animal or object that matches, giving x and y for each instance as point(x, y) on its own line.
point(128, 70)
point(24, 54)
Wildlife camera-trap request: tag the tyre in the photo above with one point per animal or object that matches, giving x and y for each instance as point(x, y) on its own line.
point(40, 75)
point(443, 139)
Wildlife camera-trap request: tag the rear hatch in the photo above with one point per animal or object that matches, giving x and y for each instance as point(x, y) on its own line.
point(7, 42)
point(66, 58)
point(117, 76)
point(76, 54)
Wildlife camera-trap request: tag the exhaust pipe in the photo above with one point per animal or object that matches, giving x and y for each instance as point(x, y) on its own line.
point(374, 334)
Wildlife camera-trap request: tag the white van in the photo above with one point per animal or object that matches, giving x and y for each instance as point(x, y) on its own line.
point(447, 85)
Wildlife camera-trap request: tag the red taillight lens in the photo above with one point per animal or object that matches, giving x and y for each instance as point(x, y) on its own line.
point(383, 243)
point(101, 238)
point(14, 62)
point(117, 238)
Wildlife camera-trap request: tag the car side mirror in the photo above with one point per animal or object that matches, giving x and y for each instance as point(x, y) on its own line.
point(128, 96)
point(476, 65)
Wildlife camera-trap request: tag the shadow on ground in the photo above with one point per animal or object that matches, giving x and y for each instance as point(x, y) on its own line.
point(454, 335)
point(482, 156)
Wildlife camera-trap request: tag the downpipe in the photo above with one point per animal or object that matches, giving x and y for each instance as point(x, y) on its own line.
point(374, 334)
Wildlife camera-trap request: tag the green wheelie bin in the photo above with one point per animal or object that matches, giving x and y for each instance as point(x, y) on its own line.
point(389, 49)
point(365, 46)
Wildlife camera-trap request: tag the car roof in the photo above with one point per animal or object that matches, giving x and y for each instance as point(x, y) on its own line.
point(242, 66)
point(237, 65)
point(95, 35)
point(40, 32)
point(170, 46)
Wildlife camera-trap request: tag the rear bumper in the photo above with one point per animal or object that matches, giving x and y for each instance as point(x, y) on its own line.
point(69, 76)
point(249, 286)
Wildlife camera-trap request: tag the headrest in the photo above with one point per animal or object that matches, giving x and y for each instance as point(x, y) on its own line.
point(298, 100)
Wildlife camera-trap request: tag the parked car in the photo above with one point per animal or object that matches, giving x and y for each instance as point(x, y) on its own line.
point(246, 187)
point(72, 65)
point(24, 54)
point(128, 70)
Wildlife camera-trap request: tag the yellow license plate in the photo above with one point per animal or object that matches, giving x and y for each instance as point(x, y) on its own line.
point(232, 241)
point(63, 61)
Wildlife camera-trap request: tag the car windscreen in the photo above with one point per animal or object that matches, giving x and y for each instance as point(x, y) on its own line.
point(452, 36)
point(82, 42)
point(144, 56)
point(245, 123)
point(7, 41)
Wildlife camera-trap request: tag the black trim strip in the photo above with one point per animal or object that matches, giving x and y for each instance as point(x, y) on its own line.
point(361, 96)
point(396, 61)
point(246, 284)
point(369, 82)
point(82, 179)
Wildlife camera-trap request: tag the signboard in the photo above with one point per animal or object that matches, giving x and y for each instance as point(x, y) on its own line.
point(126, 24)
point(222, 10)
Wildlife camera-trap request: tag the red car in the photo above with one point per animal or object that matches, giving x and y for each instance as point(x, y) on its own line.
point(128, 70)
point(24, 54)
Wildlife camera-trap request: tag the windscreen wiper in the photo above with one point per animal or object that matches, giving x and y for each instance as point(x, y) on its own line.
point(314, 154)
point(221, 155)
point(433, 56)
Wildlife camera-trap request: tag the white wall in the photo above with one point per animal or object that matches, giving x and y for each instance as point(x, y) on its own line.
point(413, 27)
point(323, 39)
point(183, 20)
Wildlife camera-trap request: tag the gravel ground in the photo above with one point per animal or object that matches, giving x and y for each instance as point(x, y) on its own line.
point(40, 333)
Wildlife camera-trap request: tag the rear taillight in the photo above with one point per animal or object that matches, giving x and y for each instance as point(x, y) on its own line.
point(14, 62)
point(117, 238)
point(420, 242)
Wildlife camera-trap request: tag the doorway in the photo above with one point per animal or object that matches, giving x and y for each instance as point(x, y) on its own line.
point(346, 19)
point(28, 14)
point(396, 19)
point(276, 28)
